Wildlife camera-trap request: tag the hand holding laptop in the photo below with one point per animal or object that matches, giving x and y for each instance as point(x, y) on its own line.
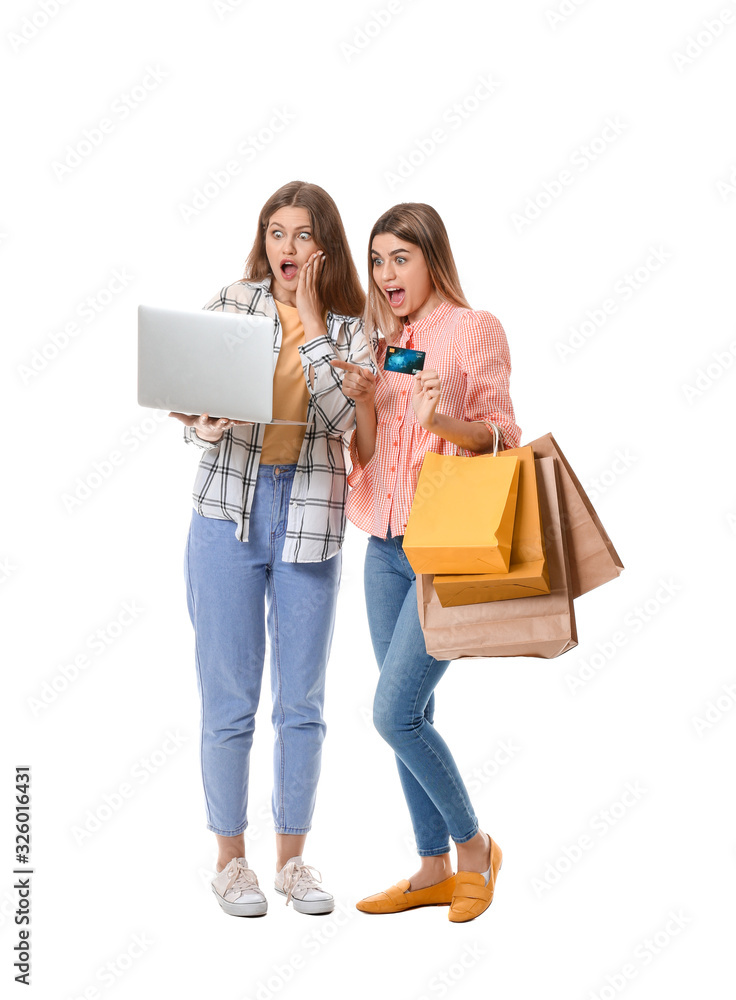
point(208, 428)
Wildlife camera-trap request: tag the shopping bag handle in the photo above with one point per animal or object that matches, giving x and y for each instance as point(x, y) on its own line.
point(496, 439)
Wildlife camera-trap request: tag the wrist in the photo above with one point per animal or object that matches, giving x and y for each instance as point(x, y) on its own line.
point(313, 327)
point(209, 440)
point(433, 423)
point(366, 407)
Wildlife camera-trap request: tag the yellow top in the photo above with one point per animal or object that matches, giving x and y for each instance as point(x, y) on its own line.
point(282, 443)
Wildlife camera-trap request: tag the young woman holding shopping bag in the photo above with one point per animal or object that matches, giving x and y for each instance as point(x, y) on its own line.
point(263, 551)
point(416, 301)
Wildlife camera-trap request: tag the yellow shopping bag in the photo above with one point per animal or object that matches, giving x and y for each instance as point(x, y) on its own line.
point(527, 574)
point(462, 517)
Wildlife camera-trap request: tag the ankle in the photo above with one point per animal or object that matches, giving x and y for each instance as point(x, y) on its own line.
point(224, 860)
point(437, 866)
point(229, 848)
point(473, 855)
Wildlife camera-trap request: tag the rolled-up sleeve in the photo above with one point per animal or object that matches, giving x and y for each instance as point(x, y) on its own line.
point(336, 411)
point(485, 359)
point(191, 437)
point(356, 472)
point(364, 357)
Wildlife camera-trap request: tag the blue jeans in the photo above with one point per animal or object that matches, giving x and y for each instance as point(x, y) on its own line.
point(234, 591)
point(403, 709)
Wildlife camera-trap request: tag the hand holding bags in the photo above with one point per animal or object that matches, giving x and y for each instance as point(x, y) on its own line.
point(531, 626)
point(462, 517)
point(580, 556)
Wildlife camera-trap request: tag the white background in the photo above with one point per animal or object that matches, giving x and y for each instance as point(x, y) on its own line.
point(558, 927)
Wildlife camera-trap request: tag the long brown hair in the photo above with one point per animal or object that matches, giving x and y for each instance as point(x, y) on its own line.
point(340, 288)
point(420, 224)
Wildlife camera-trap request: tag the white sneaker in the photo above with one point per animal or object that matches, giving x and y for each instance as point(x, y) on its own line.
point(236, 888)
point(296, 882)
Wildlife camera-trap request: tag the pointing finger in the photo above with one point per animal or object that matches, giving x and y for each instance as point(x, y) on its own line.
point(346, 366)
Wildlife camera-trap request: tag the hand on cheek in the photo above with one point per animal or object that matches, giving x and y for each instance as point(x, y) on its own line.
point(308, 300)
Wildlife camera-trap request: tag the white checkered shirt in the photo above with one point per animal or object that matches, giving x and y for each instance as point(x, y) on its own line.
point(228, 470)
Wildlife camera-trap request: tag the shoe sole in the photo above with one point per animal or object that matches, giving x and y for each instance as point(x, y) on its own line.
point(242, 909)
point(415, 906)
point(313, 906)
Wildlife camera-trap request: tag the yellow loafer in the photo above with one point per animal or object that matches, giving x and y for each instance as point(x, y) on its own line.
point(398, 897)
point(472, 896)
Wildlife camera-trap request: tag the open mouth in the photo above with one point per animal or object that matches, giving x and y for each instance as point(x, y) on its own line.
point(289, 269)
point(395, 295)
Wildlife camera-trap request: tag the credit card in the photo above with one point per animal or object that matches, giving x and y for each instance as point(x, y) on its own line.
point(404, 360)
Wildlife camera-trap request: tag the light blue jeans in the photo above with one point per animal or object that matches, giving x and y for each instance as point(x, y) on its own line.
point(234, 591)
point(403, 708)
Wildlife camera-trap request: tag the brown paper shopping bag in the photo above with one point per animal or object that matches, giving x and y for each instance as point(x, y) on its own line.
point(593, 559)
point(527, 574)
point(462, 516)
point(541, 626)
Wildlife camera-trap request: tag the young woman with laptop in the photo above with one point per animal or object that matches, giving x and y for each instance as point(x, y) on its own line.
point(263, 554)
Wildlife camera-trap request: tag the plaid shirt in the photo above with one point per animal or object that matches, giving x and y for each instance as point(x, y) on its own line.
point(469, 351)
point(228, 470)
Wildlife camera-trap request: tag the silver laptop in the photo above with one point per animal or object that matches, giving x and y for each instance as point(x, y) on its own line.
point(220, 363)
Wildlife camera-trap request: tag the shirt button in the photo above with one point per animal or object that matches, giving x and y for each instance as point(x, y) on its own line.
point(395, 443)
point(388, 495)
point(393, 468)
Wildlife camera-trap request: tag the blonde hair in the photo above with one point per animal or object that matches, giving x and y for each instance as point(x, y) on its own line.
point(412, 222)
point(340, 288)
